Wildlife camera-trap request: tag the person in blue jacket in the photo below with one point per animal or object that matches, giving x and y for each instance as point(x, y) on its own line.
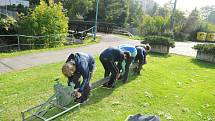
point(77, 65)
point(140, 59)
point(109, 57)
point(133, 52)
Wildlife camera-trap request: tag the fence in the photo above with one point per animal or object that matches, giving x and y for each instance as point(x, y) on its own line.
point(19, 42)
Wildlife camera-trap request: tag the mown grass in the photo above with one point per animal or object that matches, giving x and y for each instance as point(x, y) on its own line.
point(173, 87)
point(87, 41)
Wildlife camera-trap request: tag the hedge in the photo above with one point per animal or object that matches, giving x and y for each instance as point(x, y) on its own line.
point(159, 40)
point(206, 48)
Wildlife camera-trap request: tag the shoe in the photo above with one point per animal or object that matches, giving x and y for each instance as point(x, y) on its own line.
point(111, 85)
point(81, 101)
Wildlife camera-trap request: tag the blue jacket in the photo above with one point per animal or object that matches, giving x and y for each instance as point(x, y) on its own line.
point(113, 54)
point(128, 48)
point(84, 66)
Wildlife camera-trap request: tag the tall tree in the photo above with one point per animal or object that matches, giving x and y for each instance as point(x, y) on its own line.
point(77, 8)
point(192, 21)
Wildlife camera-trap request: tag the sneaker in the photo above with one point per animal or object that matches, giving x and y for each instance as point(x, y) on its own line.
point(111, 85)
point(82, 101)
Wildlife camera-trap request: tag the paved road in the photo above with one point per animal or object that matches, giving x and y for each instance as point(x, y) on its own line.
point(107, 40)
point(30, 60)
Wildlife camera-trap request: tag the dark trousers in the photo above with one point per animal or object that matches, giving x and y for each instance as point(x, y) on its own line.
point(110, 67)
point(141, 62)
point(127, 66)
point(86, 91)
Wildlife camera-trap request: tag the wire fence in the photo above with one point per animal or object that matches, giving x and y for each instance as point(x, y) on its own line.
point(20, 42)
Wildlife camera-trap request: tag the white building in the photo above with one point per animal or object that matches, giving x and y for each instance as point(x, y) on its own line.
point(16, 2)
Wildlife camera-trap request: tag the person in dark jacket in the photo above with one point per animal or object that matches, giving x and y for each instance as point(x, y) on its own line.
point(140, 58)
point(126, 64)
point(77, 65)
point(109, 57)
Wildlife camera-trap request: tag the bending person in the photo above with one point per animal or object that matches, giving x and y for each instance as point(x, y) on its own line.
point(109, 57)
point(133, 52)
point(77, 65)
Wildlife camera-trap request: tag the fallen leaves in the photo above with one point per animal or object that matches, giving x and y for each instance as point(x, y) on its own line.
point(168, 116)
point(148, 94)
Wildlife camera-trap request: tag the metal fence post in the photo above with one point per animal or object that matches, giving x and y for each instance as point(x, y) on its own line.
point(18, 42)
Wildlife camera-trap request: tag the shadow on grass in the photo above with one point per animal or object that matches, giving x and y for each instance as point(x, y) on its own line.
point(152, 54)
point(203, 64)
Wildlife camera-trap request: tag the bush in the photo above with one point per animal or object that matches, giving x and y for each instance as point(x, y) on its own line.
point(180, 36)
point(44, 21)
point(159, 40)
point(206, 48)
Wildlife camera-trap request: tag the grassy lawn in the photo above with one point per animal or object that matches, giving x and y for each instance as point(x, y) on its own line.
point(17, 53)
point(173, 87)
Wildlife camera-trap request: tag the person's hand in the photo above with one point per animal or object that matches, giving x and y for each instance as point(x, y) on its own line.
point(78, 94)
point(119, 76)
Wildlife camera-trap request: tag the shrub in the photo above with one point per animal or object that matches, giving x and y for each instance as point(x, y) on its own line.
point(44, 21)
point(206, 48)
point(180, 36)
point(159, 40)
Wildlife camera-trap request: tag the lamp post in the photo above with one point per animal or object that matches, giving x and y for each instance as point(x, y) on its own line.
point(173, 15)
point(95, 27)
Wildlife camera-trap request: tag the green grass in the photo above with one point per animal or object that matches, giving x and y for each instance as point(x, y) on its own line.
point(17, 53)
point(132, 38)
point(172, 86)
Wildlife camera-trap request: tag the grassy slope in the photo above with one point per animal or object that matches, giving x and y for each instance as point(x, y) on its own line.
point(175, 87)
point(17, 53)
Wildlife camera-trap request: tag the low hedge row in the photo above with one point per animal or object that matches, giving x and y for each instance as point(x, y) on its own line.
point(206, 48)
point(159, 40)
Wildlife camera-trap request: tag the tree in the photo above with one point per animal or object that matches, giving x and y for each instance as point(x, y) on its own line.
point(206, 11)
point(192, 21)
point(155, 25)
point(77, 8)
point(45, 20)
point(179, 19)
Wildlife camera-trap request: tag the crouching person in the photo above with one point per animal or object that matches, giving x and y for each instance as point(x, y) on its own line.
point(140, 59)
point(126, 64)
point(77, 65)
point(109, 58)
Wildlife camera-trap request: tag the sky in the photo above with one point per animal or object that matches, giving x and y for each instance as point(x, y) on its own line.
point(188, 5)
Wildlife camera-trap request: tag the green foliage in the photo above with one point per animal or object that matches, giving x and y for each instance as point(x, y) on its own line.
point(155, 25)
point(159, 40)
point(179, 18)
point(45, 20)
point(206, 48)
point(192, 21)
point(7, 23)
point(77, 9)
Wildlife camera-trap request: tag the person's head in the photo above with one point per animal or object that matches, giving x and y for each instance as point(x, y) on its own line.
point(68, 69)
point(126, 55)
point(147, 47)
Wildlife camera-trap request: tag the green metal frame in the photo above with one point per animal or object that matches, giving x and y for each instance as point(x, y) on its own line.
point(65, 104)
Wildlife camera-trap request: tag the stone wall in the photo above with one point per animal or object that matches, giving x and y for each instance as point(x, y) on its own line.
point(205, 57)
point(160, 49)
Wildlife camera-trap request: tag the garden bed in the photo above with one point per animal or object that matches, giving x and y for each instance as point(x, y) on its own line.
point(159, 44)
point(205, 52)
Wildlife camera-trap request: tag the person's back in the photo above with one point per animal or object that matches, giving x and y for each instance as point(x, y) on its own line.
point(128, 48)
point(113, 54)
